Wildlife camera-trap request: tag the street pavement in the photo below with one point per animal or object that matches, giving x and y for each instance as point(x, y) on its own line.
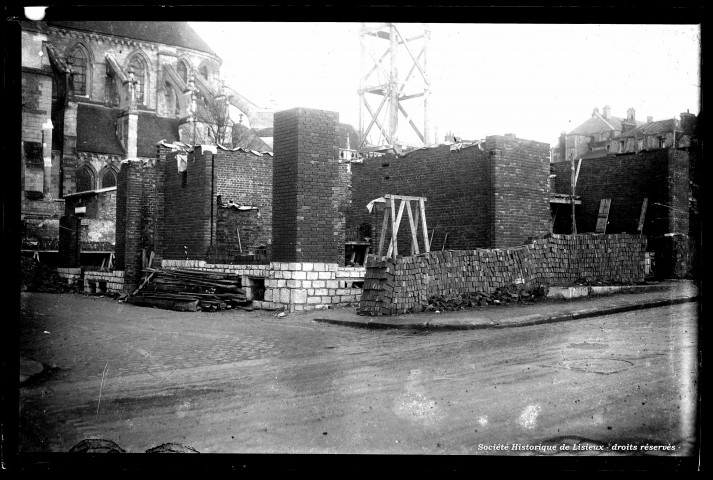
point(255, 382)
point(519, 315)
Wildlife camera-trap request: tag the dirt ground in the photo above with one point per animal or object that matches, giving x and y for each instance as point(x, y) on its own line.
point(250, 382)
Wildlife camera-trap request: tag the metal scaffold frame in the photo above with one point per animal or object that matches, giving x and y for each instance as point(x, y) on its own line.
point(380, 77)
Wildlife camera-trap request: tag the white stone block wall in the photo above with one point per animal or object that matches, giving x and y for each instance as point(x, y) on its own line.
point(305, 286)
point(73, 275)
point(114, 281)
point(294, 286)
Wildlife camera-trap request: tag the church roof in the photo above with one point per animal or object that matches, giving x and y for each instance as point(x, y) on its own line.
point(96, 130)
point(178, 34)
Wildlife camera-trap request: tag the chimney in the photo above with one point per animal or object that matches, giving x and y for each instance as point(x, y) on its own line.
point(630, 122)
point(649, 119)
point(607, 111)
point(688, 122)
point(631, 115)
point(596, 111)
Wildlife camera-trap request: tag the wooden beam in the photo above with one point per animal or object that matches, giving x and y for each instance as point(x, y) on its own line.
point(416, 219)
point(603, 216)
point(426, 243)
point(644, 204)
point(414, 238)
point(404, 197)
point(395, 229)
point(384, 226)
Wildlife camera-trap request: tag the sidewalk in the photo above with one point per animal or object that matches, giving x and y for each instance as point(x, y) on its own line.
point(622, 299)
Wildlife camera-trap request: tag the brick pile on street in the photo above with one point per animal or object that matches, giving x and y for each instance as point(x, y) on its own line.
point(513, 294)
point(408, 284)
point(189, 290)
point(38, 277)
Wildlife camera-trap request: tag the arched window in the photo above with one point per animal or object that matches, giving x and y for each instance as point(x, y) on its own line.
point(139, 68)
point(204, 72)
point(78, 59)
point(84, 179)
point(109, 178)
point(182, 71)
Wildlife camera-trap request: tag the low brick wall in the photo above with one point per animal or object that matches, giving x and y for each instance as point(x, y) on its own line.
point(402, 285)
point(73, 275)
point(104, 282)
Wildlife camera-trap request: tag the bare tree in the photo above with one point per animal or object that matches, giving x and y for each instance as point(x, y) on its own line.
point(213, 124)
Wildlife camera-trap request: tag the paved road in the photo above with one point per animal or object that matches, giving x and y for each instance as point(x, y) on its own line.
point(251, 382)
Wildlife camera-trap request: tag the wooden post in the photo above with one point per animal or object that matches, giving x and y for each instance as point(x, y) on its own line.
point(396, 224)
point(383, 227)
point(414, 239)
point(643, 215)
point(574, 220)
point(426, 243)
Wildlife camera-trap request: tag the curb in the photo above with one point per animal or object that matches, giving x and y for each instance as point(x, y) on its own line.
point(512, 323)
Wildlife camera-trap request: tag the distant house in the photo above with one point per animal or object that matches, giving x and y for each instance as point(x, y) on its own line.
point(592, 135)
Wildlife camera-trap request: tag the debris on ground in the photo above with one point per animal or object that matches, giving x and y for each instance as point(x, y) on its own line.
point(38, 277)
point(502, 296)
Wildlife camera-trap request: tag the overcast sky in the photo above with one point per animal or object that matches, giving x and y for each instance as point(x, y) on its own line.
point(486, 79)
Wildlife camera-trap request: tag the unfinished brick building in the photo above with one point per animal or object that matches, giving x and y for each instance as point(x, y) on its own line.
point(656, 168)
point(487, 195)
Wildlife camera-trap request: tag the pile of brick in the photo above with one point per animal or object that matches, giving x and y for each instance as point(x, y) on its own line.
point(405, 284)
point(38, 277)
point(502, 296)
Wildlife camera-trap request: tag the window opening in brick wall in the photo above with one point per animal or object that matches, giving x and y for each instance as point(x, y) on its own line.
point(184, 178)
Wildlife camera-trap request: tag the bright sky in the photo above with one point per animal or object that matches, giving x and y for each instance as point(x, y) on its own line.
point(486, 79)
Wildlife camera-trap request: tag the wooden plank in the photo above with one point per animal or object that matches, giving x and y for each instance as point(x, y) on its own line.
point(603, 216)
point(404, 197)
point(395, 226)
point(426, 243)
point(644, 204)
point(576, 174)
point(414, 238)
point(384, 226)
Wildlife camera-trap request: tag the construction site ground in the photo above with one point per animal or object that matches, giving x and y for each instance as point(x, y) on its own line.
point(235, 381)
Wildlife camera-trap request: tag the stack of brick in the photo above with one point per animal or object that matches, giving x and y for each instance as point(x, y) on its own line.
point(104, 282)
point(404, 284)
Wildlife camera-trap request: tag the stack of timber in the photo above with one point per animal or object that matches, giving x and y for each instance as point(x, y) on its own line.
point(190, 290)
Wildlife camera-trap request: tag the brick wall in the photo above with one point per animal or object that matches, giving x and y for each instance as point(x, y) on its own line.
point(306, 223)
point(405, 284)
point(245, 179)
point(475, 198)
point(659, 175)
point(188, 210)
point(520, 189)
point(129, 201)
